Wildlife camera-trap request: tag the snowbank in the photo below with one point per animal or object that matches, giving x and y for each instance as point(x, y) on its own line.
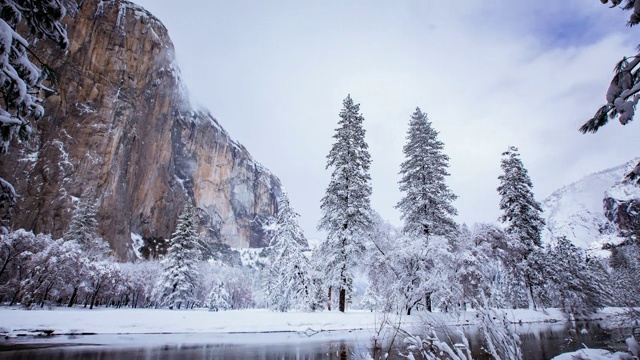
point(593, 354)
point(155, 321)
point(158, 321)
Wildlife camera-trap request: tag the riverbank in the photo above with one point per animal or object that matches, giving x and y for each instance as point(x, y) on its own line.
point(61, 321)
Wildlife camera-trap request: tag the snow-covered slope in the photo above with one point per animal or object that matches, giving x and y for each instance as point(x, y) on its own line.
point(576, 211)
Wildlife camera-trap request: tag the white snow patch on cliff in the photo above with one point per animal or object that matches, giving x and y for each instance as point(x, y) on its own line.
point(576, 211)
point(626, 190)
point(136, 243)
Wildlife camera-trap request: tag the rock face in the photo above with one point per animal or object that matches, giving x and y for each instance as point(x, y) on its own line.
point(583, 211)
point(622, 203)
point(121, 130)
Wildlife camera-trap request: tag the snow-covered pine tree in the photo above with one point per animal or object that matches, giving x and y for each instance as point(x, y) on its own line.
point(426, 206)
point(370, 300)
point(522, 215)
point(83, 229)
point(177, 284)
point(219, 298)
point(289, 282)
point(625, 275)
point(346, 207)
point(521, 212)
point(22, 80)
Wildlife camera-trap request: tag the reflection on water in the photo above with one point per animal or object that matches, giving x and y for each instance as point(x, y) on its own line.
point(539, 341)
point(207, 351)
point(544, 341)
point(326, 345)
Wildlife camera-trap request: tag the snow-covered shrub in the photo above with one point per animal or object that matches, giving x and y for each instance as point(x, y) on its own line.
point(141, 277)
point(239, 283)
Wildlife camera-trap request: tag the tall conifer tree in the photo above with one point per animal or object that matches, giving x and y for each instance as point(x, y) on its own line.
point(83, 229)
point(346, 208)
point(426, 206)
point(289, 282)
point(522, 215)
point(83, 226)
point(521, 212)
point(178, 282)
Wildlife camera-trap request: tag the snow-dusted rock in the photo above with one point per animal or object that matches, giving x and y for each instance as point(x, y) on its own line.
point(577, 211)
point(622, 202)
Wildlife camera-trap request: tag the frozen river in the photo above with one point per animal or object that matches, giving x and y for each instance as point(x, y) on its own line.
point(540, 341)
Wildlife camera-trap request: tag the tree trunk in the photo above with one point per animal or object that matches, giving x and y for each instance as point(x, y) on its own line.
point(427, 302)
point(46, 295)
point(343, 299)
point(73, 297)
point(408, 310)
point(4, 265)
point(95, 295)
point(329, 302)
point(15, 297)
point(532, 304)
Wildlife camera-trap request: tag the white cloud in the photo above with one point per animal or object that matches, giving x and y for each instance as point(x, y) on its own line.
point(488, 76)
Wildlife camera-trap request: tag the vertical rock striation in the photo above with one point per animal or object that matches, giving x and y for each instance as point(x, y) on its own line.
point(121, 129)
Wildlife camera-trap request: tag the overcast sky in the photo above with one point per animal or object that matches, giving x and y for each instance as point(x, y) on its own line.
point(489, 74)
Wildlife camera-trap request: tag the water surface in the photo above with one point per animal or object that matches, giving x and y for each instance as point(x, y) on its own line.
point(539, 342)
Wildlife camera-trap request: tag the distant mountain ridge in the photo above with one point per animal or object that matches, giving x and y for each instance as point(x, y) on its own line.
point(577, 211)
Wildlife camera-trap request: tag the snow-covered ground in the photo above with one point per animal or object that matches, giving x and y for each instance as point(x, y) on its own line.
point(593, 354)
point(153, 321)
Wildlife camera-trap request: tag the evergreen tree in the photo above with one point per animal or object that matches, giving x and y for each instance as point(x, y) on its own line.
point(625, 274)
point(521, 212)
point(219, 298)
point(83, 226)
point(83, 229)
point(522, 215)
point(179, 279)
point(370, 300)
point(426, 207)
point(289, 283)
point(346, 208)
point(22, 82)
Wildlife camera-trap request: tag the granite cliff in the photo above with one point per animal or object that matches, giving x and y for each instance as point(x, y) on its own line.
point(121, 130)
point(622, 202)
point(595, 210)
